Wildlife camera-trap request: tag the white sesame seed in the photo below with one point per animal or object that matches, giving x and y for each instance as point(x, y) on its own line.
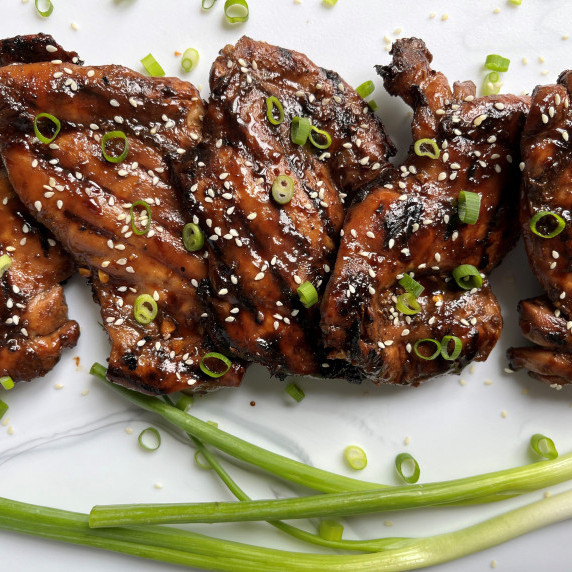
point(114, 103)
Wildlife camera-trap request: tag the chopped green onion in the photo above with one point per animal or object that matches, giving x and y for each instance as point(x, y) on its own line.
point(467, 277)
point(492, 84)
point(39, 134)
point(190, 59)
point(185, 402)
point(365, 89)
point(299, 130)
point(331, 530)
point(327, 139)
point(543, 446)
point(193, 237)
point(330, 2)
point(308, 294)
point(271, 104)
point(236, 11)
point(47, 11)
point(516, 2)
point(456, 349)
point(114, 135)
point(411, 285)
point(149, 439)
point(542, 214)
point(283, 189)
point(152, 66)
point(497, 63)
point(6, 382)
point(428, 341)
point(5, 263)
point(202, 462)
point(355, 457)
point(419, 145)
point(145, 309)
point(208, 4)
point(295, 392)
point(407, 468)
point(3, 408)
point(147, 226)
point(372, 104)
point(219, 359)
point(407, 304)
point(469, 207)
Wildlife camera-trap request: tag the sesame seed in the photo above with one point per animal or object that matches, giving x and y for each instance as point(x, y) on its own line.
point(51, 49)
point(38, 206)
point(544, 118)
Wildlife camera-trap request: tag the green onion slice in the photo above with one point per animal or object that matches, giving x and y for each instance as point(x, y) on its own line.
point(308, 294)
point(560, 224)
point(543, 446)
point(427, 341)
point(39, 134)
point(497, 63)
point(331, 530)
point(467, 277)
point(110, 136)
point(5, 263)
point(458, 346)
point(218, 359)
point(149, 439)
point(330, 2)
point(324, 141)
point(408, 304)
point(295, 392)
point(190, 59)
point(365, 89)
point(355, 457)
point(134, 227)
point(407, 468)
point(420, 148)
point(271, 104)
point(372, 104)
point(516, 2)
point(283, 189)
point(3, 408)
point(145, 309)
point(202, 462)
point(152, 66)
point(185, 402)
point(492, 84)
point(47, 10)
point(193, 237)
point(236, 11)
point(411, 285)
point(469, 207)
point(6, 382)
point(208, 4)
point(300, 130)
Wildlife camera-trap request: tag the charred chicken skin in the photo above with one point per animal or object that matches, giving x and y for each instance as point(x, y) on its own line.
point(34, 324)
point(260, 252)
point(121, 220)
point(408, 223)
point(547, 182)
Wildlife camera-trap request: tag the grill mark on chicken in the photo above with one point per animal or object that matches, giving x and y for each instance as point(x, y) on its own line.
point(34, 324)
point(407, 223)
point(256, 264)
point(547, 175)
point(87, 207)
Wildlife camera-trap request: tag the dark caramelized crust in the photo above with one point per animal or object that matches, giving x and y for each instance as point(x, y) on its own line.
point(33, 49)
point(408, 223)
point(260, 251)
point(85, 201)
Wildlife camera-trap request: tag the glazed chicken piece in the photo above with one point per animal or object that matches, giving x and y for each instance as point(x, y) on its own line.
point(260, 251)
point(92, 205)
point(546, 187)
point(408, 223)
point(34, 324)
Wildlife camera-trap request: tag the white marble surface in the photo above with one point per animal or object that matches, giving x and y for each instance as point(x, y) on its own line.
point(72, 451)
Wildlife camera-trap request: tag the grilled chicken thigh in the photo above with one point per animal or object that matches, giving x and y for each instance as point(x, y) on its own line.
point(34, 324)
point(547, 185)
point(408, 223)
point(260, 251)
point(91, 205)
